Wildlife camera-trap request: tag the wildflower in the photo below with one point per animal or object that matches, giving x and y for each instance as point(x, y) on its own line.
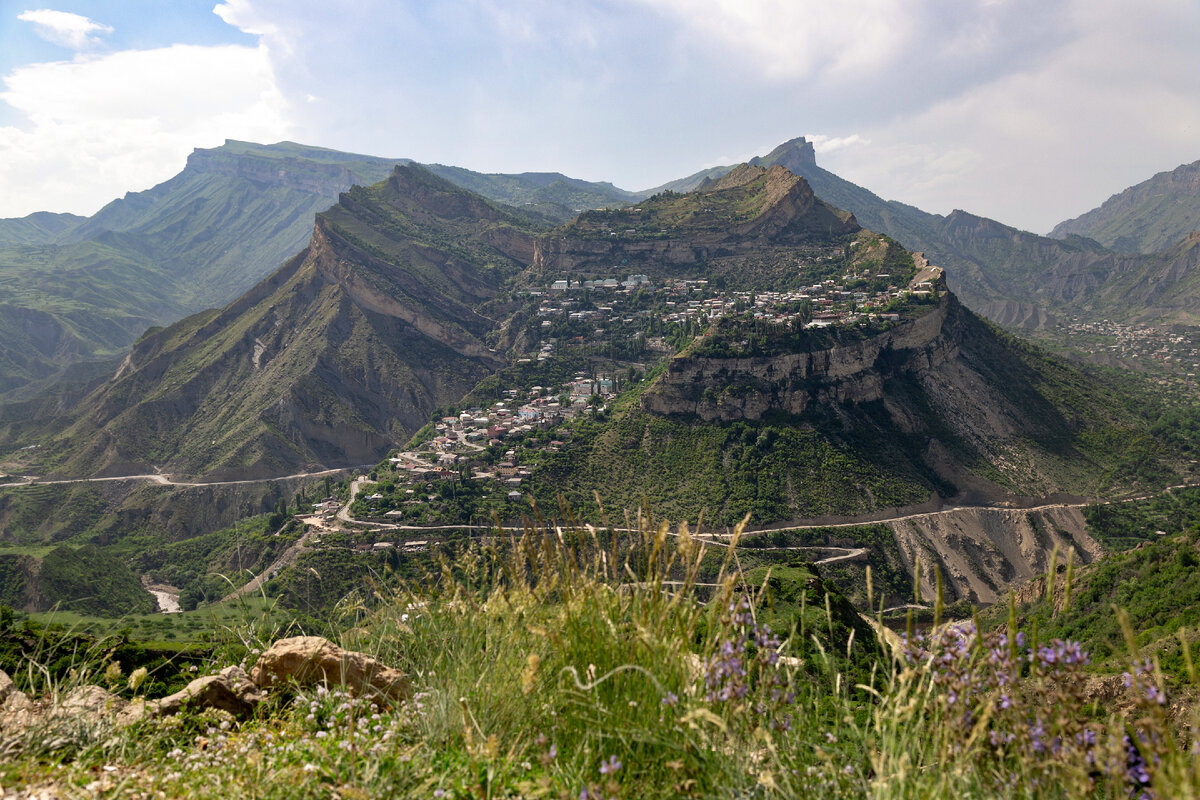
point(671, 699)
point(609, 767)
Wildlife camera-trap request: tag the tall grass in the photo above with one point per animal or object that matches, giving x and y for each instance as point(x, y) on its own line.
point(579, 661)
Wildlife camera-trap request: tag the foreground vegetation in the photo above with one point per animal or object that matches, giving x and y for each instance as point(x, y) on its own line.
point(571, 662)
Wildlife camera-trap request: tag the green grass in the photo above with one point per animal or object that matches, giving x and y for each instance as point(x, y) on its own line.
point(573, 663)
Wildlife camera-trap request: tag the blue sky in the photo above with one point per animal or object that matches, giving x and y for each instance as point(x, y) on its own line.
point(1029, 111)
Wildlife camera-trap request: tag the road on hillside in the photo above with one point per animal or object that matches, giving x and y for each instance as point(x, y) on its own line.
point(164, 480)
point(316, 525)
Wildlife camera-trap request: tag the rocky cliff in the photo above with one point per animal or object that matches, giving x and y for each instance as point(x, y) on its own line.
point(751, 388)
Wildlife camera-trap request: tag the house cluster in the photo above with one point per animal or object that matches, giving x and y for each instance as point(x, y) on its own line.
point(462, 445)
point(683, 301)
point(1172, 352)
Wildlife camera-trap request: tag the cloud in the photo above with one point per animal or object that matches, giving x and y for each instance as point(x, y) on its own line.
point(888, 53)
point(1047, 143)
point(828, 144)
point(64, 28)
point(98, 126)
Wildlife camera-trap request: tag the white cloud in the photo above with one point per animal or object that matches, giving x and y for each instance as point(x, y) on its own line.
point(828, 144)
point(1048, 143)
point(97, 127)
point(64, 28)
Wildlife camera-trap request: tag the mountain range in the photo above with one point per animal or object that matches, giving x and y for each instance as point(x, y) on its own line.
point(77, 292)
point(839, 376)
point(412, 291)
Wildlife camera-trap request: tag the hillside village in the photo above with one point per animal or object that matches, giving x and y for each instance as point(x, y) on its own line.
point(1173, 353)
point(489, 451)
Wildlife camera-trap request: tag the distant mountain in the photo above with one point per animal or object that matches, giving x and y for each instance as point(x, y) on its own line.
point(37, 228)
point(1146, 218)
point(78, 290)
point(551, 194)
point(1011, 276)
point(335, 357)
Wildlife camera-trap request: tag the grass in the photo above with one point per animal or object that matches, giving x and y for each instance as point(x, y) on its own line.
point(576, 662)
point(203, 624)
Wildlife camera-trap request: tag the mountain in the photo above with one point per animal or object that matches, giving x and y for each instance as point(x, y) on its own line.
point(80, 290)
point(42, 226)
point(551, 194)
point(405, 288)
point(710, 232)
point(1018, 278)
point(1147, 218)
point(338, 355)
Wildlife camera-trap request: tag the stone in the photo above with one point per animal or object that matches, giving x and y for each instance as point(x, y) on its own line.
point(229, 690)
point(312, 660)
point(92, 701)
point(17, 711)
point(7, 686)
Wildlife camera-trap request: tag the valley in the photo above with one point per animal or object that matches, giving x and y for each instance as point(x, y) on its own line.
point(741, 350)
point(456, 421)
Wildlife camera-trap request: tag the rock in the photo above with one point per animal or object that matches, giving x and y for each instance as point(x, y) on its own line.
point(17, 711)
point(312, 660)
point(7, 686)
point(229, 690)
point(92, 701)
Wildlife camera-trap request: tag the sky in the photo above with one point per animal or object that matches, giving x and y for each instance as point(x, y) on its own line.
point(1026, 111)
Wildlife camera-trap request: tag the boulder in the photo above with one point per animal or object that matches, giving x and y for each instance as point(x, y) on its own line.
point(229, 690)
point(312, 660)
point(7, 686)
point(89, 701)
point(17, 711)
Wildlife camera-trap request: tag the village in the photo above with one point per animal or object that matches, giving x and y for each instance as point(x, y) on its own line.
point(1173, 355)
point(483, 457)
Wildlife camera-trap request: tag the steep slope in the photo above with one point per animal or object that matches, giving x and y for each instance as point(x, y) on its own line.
point(1021, 279)
point(335, 357)
point(717, 229)
point(83, 290)
point(1146, 218)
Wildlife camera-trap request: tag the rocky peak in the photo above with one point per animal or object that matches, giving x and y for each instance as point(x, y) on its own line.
point(795, 154)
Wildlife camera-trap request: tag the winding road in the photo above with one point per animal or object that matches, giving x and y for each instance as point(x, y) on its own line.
point(343, 515)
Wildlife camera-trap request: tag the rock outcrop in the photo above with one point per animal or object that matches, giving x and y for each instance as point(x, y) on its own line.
point(790, 383)
point(299, 662)
point(312, 660)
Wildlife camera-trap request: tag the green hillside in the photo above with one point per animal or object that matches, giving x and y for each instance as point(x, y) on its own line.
point(339, 354)
point(1146, 218)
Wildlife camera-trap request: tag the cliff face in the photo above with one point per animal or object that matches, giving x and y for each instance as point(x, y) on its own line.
point(289, 173)
point(791, 383)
